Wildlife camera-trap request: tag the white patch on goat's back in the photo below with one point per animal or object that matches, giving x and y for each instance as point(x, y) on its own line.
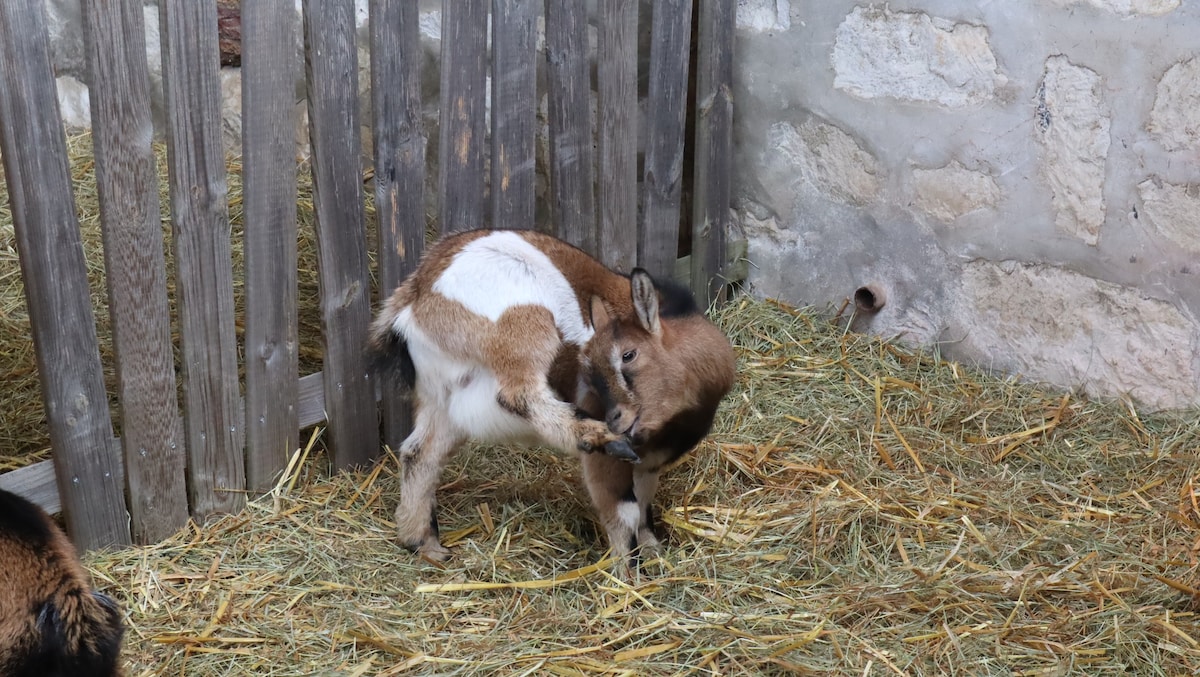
point(500, 270)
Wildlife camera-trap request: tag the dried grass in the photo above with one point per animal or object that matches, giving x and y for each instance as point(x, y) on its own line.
point(859, 509)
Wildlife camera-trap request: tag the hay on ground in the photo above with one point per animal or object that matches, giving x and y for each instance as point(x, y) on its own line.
point(859, 509)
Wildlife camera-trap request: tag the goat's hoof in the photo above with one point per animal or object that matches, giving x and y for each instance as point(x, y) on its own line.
point(429, 549)
point(621, 449)
point(649, 546)
point(436, 553)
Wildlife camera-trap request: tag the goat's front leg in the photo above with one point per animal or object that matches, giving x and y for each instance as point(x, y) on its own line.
point(520, 350)
point(610, 484)
point(423, 454)
point(622, 495)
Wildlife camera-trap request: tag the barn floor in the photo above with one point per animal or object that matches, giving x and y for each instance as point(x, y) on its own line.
point(859, 510)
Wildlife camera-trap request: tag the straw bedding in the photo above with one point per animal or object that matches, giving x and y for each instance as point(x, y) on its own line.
point(859, 509)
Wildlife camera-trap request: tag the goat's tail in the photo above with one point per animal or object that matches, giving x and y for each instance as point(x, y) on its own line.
point(388, 357)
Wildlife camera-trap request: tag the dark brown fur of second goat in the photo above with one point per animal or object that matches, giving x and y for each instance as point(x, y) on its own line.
point(52, 623)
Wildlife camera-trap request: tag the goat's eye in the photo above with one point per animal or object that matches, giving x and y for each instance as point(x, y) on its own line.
point(628, 356)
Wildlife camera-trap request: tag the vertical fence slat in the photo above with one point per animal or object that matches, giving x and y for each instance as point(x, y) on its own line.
point(399, 138)
point(50, 249)
point(714, 147)
point(463, 106)
point(617, 120)
point(269, 72)
point(670, 42)
point(572, 192)
point(514, 86)
point(332, 72)
point(135, 266)
point(203, 263)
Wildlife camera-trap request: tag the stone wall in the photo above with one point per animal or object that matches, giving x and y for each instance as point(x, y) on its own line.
point(1019, 183)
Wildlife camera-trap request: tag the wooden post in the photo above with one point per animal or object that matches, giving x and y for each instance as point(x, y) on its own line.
point(461, 138)
point(514, 88)
point(714, 149)
point(670, 42)
point(269, 73)
point(332, 72)
point(572, 193)
point(617, 182)
point(399, 137)
point(203, 256)
point(50, 249)
point(135, 267)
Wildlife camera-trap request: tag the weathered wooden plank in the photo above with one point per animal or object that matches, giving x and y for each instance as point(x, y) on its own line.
point(463, 106)
point(36, 483)
point(617, 138)
point(332, 73)
point(670, 42)
point(269, 72)
point(514, 111)
point(135, 267)
point(714, 149)
point(400, 139)
point(203, 264)
point(50, 250)
point(572, 193)
point(311, 409)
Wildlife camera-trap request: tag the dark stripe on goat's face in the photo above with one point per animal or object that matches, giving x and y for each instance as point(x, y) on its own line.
point(600, 386)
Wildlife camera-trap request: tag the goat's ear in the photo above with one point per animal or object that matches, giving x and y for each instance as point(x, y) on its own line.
point(645, 300)
point(600, 317)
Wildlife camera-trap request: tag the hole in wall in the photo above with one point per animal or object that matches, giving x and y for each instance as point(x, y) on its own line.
point(869, 298)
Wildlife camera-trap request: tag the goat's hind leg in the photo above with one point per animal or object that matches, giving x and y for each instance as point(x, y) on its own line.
point(423, 454)
point(520, 351)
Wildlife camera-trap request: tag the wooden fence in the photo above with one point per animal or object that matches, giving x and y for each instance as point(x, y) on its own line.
point(206, 456)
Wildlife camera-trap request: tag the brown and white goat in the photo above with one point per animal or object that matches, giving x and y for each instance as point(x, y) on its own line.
point(518, 336)
point(52, 624)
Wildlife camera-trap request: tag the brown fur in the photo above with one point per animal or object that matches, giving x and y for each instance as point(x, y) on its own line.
point(51, 622)
point(684, 366)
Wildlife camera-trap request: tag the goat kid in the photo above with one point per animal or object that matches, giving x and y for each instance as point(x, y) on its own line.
point(507, 336)
point(52, 624)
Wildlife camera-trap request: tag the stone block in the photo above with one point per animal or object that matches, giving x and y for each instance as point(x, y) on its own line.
point(914, 57)
point(947, 193)
point(1072, 123)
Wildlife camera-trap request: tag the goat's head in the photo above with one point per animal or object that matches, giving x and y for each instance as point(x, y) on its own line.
point(645, 371)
